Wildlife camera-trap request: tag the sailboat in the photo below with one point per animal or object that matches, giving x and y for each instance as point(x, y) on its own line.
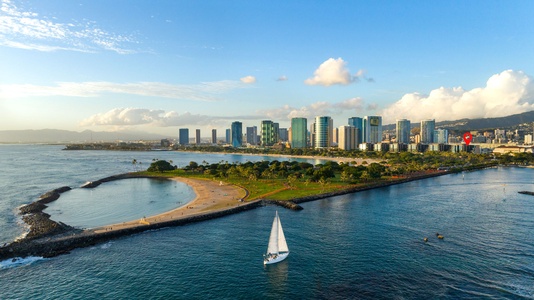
point(277, 249)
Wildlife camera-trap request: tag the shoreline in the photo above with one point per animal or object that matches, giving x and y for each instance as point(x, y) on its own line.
point(48, 238)
point(210, 197)
point(71, 238)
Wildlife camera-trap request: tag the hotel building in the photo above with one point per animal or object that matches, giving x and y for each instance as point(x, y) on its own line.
point(372, 129)
point(323, 132)
point(403, 131)
point(299, 133)
point(427, 131)
point(183, 136)
point(237, 134)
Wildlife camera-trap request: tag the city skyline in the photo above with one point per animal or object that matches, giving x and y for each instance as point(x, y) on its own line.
point(94, 65)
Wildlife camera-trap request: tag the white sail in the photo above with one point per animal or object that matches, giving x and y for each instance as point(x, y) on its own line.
point(273, 239)
point(277, 249)
point(282, 245)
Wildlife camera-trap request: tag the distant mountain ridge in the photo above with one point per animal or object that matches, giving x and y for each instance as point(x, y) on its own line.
point(66, 136)
point(479, 124)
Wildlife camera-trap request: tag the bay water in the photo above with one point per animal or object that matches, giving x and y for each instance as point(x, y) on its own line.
point(367, 245)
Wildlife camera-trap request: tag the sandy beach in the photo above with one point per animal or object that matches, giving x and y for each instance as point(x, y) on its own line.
point(210, 196)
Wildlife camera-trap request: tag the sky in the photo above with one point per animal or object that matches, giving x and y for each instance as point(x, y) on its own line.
point(160, 65)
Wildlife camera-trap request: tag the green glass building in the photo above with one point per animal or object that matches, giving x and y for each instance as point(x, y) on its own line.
point(299, 133)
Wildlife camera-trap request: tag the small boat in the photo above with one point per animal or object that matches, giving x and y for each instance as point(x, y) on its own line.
point(277, 249)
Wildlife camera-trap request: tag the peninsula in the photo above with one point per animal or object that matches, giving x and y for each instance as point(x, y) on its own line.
point(221, 189)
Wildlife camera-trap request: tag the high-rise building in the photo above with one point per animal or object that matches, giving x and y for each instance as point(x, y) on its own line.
point(427, 131)
point(183, 137)
point(214, 136)
point(348, 138)
point(335, 136)
point(197, 137)
point(403, 131)
point(228, 136)
point(372, 129)
point(252, 133)
point(276, 130)
point(358, 123)
point(299, 133)
point(283, 134)
point(269, 133)
point(441, 136)
point(323, 132)
point(237, 134)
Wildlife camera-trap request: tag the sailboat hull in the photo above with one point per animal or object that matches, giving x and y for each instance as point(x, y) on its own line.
point(279, 258)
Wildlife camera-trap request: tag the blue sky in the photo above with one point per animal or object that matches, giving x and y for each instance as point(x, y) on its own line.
point(157, 66)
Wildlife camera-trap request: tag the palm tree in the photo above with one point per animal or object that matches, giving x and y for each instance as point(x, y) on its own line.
point(134, 163)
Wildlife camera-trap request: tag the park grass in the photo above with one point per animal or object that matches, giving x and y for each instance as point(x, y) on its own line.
point(274, 189)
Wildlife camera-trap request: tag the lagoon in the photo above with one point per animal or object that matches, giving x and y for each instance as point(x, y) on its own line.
point(119, 201)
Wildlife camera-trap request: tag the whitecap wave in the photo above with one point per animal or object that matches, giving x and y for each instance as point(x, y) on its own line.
point(18, 261)
point(106, 245)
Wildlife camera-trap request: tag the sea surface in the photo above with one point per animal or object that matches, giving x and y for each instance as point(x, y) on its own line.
point(367, 245)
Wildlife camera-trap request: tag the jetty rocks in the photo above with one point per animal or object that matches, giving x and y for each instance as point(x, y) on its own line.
point(62, 243)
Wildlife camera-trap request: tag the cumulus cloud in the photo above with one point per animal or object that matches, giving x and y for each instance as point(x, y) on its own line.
point(320, 108)
point(127, 117)
point(248, 79)
point(205, 91)
point(282, 78)
point(28, 30)
point(507, 93)
point(143, 116)
point(334, 71)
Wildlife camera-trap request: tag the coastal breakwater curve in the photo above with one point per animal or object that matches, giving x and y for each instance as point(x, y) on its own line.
point(50, 238)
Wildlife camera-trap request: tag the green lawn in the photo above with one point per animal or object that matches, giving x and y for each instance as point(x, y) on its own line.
point(275, 189)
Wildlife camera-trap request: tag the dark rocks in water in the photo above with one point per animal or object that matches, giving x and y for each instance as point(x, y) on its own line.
point(526, 193)
point(91, 184)
point(34, 207)
point(67, 238)
point(53, 195)
point(286, 204)
point(41, 225)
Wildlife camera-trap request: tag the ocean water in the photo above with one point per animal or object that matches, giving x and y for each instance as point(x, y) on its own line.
point(367, 245)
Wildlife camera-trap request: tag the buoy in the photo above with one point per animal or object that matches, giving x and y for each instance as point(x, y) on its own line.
point(440, 237)
point(425, 239)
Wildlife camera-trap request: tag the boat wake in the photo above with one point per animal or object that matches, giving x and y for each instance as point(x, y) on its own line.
point(18, 262)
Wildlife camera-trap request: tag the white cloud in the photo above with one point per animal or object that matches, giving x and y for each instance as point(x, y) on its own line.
point(27, 30)
point(282, 78)
point(334, 71)
point(320, 108)
point(248, 79)
point(143, 116)
point(507, 93)
point(205, 91)
point(128, 117)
